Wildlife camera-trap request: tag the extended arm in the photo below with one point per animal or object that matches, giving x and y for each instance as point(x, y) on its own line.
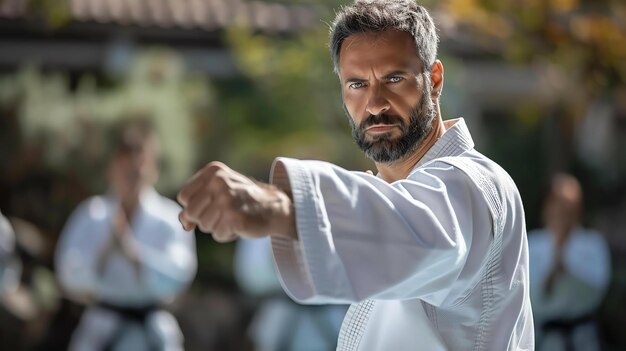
point(359, 237)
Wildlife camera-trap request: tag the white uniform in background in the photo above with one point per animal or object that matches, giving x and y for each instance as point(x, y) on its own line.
point(436, 261)
point(577, 293)
point(280, 324)
point(168, 265)
point(10, 266)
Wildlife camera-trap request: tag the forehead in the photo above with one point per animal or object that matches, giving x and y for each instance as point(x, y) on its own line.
point(389, 49)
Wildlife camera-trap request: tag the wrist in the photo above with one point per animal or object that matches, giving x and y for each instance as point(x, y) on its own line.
point(286, 217)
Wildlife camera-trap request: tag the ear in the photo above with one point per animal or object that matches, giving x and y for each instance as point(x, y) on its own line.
point(436, 77)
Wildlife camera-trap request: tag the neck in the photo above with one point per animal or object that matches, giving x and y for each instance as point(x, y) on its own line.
point(400, 169)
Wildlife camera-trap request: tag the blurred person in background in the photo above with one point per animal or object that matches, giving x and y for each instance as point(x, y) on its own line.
point(125, 254)
point(28, 291)
point(569, 272)
point(10, 271)
point(23, 312)
point(280, 324)
point(432, 252)
point(10, 265)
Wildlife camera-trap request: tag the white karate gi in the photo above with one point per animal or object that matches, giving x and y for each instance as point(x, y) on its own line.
point(10, 265)
point(437, 261)
point(168, 264)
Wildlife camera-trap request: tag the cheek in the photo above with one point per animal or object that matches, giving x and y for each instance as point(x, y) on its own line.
point(405, 96)
point(148, 167)
point(355, 104)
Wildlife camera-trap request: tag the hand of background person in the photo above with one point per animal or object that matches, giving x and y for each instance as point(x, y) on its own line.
point(557, 270)
point(230, 205)
point(121, 242)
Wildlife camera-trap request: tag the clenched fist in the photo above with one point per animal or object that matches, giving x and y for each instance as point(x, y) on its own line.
point(229, 205)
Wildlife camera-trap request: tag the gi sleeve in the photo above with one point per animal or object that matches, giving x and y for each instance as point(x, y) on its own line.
point(362, 238)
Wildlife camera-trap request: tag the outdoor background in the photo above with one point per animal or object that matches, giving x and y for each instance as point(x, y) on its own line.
point(539, 82)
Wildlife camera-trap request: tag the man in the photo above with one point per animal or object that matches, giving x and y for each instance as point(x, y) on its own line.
point(10, 265)
point(570, 270)
point(432, 252)
point(125, 254)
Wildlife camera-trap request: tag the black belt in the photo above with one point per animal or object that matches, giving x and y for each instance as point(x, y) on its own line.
point(136, 314)
point(131, 314)
point(566, 328)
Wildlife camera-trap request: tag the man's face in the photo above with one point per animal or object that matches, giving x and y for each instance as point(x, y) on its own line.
point(562, 209)
point(132, 167)
point(386, 94)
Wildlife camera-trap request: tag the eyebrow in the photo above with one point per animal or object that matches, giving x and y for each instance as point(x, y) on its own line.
point(355, 80)
point(395, 73)
point(386, 76)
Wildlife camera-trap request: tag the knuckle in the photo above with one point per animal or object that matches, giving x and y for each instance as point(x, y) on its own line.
point(192, 215)
point(185, 219)
point(221, 178)
point(205, 226)
point(221, 237)
point(182, 197)
point(214, 166)
point(209, 166)
point(218, 164)
point(181, 218)
point(218, 182)
point(186, 194)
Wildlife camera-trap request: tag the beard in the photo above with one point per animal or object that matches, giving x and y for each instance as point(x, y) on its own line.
point(384, 147)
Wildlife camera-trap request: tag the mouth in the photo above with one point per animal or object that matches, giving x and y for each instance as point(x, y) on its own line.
point(381, 128)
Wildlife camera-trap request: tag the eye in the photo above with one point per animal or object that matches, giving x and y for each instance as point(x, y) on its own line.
point(395, 79)
point(356, 85)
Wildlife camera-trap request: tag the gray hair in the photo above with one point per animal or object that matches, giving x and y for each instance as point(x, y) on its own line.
point(365, 16)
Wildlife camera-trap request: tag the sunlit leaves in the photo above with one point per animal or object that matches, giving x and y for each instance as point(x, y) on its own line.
point(297, 96)
point(572, 33)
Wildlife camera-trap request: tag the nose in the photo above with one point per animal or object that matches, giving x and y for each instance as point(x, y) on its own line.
point(377, 103)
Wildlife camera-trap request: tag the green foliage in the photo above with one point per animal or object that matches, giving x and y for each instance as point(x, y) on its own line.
point(55, 13)
point(70, 126)
point(291, 105)
point(584, 38)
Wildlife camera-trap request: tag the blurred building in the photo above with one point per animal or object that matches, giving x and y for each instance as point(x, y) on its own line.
point(81, 35)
